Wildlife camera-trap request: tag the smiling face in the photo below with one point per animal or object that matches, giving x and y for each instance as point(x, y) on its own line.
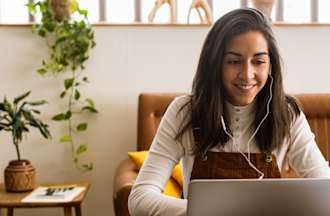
point(246, 67)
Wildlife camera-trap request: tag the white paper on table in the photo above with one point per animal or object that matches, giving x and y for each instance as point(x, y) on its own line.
point(38, 195)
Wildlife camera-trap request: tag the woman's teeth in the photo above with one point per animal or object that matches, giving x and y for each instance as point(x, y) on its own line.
point(246, 87)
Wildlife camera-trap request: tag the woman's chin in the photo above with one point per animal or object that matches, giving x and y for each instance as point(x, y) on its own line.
point(243, 102)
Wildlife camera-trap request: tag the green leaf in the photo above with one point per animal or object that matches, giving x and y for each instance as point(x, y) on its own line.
point(43, 128)
point(63, 93)
point(29, 117)
point(25, 129)
point(31, 7)
point(87, 167)
point(42, 32)
point(82, 126)
point(59, 117)
point(36, 111)
point(81, 24)
point(75, 160)
point(93, 44)
point(17, 130)
point(90, 109)
point(7, 107)
point(37, 103)
point(90, 102)
point(2, 107)
point(76, 95)
point(85, 79)
point(68, 115)
point(61, 39)
point(59, 67)
point(81, 149)
point(21, 97)
point(68, 83)
point(42, 71)
point(43, 6)
point(65, 138)
point(83, 12)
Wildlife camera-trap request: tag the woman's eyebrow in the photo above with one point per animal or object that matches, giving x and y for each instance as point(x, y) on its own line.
point(261, 53)
point(232, 53)
point(237, 54)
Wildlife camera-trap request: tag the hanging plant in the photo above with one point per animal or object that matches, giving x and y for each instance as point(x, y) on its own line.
point(69, 38)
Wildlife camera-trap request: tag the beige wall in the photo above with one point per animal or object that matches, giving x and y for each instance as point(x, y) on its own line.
point(125, 62)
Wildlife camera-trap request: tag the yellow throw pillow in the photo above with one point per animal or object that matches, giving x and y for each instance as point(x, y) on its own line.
point(138, 157)
point(177, 173)
point(174, 185)
point(172, 188)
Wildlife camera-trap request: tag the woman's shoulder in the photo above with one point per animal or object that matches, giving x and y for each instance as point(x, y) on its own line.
point(299, 119)
point(182, 99)
point(293, 105)
point(181, 102)
point(178, 109)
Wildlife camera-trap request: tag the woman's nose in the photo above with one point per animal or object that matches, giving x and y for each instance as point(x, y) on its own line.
point(247, 71)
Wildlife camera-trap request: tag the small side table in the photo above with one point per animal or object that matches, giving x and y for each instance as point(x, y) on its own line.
point(10, 201)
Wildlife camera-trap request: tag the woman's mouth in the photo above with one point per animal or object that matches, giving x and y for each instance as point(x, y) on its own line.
point(245, 87)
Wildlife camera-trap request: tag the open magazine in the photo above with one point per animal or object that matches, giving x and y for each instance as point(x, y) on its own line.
point(53, 194)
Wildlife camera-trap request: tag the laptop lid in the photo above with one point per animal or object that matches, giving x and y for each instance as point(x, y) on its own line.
point(303, 197)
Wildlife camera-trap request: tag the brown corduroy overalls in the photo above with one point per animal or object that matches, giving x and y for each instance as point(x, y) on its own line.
point(228, 165)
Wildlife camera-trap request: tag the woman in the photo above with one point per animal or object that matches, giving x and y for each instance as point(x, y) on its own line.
point(237, 122)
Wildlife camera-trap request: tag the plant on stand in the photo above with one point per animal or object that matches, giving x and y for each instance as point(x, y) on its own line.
point(69, 38)
point(16, 117)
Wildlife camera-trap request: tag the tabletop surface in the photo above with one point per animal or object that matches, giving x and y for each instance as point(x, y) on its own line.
point(10, 199)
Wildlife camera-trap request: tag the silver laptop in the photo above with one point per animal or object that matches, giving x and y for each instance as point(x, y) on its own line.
point(302, 197)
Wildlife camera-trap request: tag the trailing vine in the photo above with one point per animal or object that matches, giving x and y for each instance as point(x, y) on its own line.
point(69, 38)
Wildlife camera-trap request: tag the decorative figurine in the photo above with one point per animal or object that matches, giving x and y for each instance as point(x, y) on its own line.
point(201, 4)
point(158, 4)
point(265, 6)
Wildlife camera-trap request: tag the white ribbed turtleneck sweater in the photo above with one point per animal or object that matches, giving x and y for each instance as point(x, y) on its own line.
point(165, 152)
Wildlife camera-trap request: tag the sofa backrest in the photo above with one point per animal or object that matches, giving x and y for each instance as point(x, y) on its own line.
point(317, 110)
point(152, 107)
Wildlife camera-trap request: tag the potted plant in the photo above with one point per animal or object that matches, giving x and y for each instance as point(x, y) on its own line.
point(17, 117)
point(63, 8)
point(70, 38)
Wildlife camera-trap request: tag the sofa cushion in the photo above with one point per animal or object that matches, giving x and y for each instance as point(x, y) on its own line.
point(174, 185)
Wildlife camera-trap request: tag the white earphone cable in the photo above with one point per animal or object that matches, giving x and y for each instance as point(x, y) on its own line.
point(237, 148)
point(264, 118)
point(247, 158)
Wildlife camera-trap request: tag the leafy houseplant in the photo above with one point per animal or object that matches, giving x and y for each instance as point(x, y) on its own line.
point(17, 117)
point(69, 40)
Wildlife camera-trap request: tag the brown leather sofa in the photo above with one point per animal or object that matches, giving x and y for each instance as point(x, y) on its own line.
point(151, 108)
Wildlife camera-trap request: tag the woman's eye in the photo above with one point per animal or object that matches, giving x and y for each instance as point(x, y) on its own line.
point(233, 62)
point(259, 62)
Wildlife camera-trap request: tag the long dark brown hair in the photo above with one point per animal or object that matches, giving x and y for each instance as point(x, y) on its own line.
point(206, 105)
